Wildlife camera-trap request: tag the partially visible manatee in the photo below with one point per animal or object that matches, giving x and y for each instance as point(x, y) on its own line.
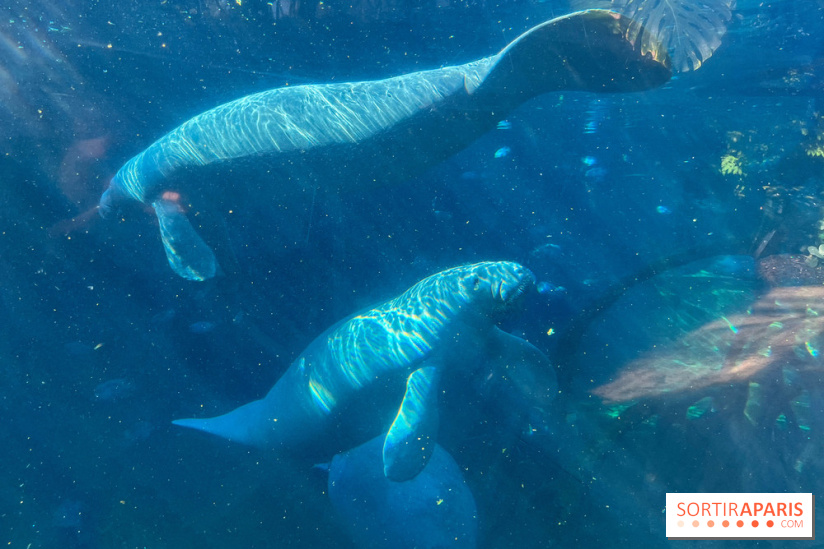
point(435, 509)
point(352, 134)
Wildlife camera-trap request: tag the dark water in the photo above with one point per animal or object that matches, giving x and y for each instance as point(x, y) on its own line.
point(617, 202)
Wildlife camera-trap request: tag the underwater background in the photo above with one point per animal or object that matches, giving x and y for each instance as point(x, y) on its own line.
point(675, 234)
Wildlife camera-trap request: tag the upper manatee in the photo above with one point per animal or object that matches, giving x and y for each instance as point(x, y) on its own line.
point(343, 135)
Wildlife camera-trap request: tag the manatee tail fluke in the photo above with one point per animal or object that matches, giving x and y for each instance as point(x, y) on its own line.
point(193, 423)
point(587, 51)
point(188, 255)
point(242, 425)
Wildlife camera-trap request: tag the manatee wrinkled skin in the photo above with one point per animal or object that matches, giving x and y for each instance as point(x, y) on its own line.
point(378, 373)
point(342, 136)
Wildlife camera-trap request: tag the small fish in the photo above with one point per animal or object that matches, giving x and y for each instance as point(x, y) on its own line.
point(546, 249)
point(69, 514)
point(504, 125)
point(663, 210)
point(202, 327)
point(471, 176)
point(502, 152)
point(545, 288)
point(700, 408)
point(164, 317)
point(442, 215)
point(114, 389)
point(138, 432)
point(589, 160)
point(596, 173)
point(597, 113)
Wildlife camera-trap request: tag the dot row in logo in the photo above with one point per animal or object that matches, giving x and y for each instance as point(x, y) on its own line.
point(726, 523)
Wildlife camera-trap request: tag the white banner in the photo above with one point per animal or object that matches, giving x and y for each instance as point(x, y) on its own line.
point(740, 516)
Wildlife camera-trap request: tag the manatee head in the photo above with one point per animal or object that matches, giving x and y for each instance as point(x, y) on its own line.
point(493, 287)
point(471, 292)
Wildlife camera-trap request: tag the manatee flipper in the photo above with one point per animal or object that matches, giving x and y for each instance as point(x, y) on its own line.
point(411, 438)
point(188, 255)
point(587, 51)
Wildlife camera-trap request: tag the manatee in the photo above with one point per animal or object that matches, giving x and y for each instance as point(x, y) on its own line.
point(346, 135)
point(435, 509)
point(378, 372)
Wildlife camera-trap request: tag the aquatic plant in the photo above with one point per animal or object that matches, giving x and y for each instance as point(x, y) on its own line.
point(816, 252)
point(816, 150)
point(731, 164)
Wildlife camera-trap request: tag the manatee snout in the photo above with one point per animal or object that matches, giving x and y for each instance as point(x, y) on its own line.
point(108, 206)
point(513, 286)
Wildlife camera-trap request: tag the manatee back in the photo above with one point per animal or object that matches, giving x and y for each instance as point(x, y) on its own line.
point(584, 51)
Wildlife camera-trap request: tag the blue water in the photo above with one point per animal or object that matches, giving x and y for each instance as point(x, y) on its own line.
point(657, 271)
